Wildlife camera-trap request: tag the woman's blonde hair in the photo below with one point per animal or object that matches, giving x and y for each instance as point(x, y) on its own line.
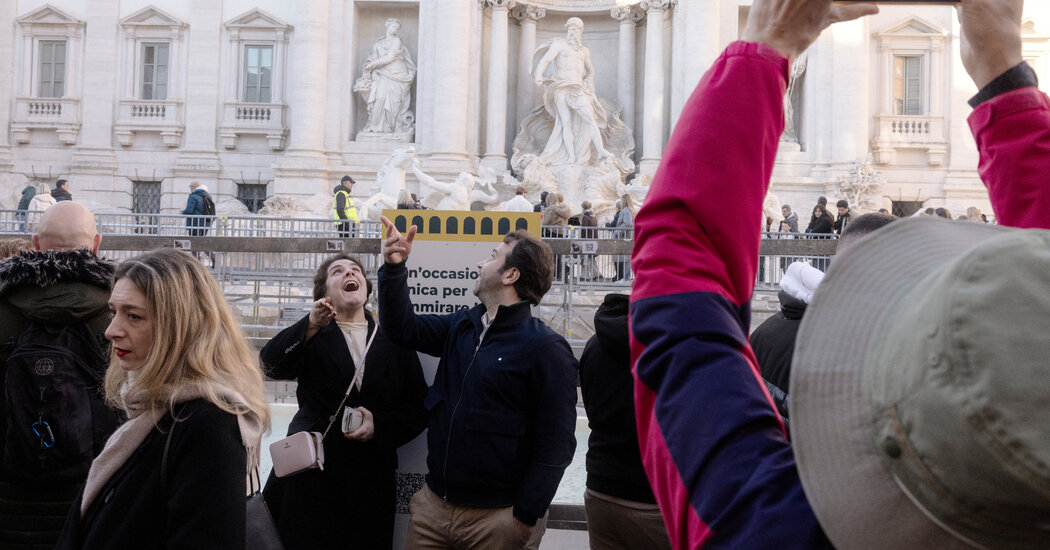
point(197, 341)
point(628, 203)
point(14, 247)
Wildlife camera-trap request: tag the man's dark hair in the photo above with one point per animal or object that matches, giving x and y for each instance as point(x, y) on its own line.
point(883, 211)
point(865, 224)
point(535, 263)
point(929, 211)
point(543, 197)
point(823, 201)
point(347, 179)
point(786, 207)
point(61, 182)
point(321, 276)
point(842, 204)
point(520, 190)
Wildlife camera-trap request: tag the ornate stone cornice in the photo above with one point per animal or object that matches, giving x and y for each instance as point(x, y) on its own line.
point(632, 13)
point(498, 4)
point(661, 5)
point(532, 13)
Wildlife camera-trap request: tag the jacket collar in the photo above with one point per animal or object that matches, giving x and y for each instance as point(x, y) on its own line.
point(505, 315)
point(45, 269)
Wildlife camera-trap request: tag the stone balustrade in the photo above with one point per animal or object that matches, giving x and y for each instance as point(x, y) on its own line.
point(59, 114)
point(142, 115)
point(265, 119)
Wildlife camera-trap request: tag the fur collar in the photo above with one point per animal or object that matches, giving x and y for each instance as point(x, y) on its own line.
point(45, 269)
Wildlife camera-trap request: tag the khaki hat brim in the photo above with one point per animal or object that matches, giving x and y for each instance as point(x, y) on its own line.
point(856, 499)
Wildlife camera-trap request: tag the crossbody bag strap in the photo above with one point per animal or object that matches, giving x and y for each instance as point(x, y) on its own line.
point(358, 374)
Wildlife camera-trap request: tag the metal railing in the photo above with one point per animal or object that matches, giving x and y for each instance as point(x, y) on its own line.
point(265, 265)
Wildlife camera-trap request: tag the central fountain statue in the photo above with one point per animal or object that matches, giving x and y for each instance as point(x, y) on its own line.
point(574, 143)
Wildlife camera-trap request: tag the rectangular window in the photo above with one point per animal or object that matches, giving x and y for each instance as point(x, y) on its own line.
point(258, 73)
point(903, 209)
point(52, 68)
point(908, 86)
point(253, 195)
point(145, 199)
point(155, 70)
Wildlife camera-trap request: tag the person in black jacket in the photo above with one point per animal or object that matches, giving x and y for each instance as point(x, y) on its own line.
point(175, 475)
point(351, 503)
point(621, 510)
point(503, 404)
point(61, 191)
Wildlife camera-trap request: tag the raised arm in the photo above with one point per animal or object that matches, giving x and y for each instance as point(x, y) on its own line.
point(425, 333)
point(1011, 120)
point(712, 445)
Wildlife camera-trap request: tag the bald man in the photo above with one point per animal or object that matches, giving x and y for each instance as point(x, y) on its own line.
point(54, 297)
point(67, 225)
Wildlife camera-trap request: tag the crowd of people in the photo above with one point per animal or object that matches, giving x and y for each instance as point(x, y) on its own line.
point(890, 404)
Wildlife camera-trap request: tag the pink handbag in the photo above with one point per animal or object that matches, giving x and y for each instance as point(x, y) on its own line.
point(297, 453)
point(305, 450)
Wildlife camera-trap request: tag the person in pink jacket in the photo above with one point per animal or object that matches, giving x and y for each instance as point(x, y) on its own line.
point(714, 449)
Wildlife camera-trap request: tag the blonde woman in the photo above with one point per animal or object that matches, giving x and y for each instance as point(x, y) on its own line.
point(174, 475)
point(38, 204)
point(625, 221)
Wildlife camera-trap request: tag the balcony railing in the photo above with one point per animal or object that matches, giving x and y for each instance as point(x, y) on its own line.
point(922, 132)
point(143, 115)
point(266, 119)
point(60, 114)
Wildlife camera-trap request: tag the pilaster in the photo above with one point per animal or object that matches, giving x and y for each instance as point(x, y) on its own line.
point(496, 117)
point(527, 16)
point(628, 17)
point(655, 99)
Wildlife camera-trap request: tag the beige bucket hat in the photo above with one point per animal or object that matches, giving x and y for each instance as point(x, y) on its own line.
point(920, 391)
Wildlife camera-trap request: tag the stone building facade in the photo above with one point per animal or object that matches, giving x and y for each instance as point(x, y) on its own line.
point(131, 100)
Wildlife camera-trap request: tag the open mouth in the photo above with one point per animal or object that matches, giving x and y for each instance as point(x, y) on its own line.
point(120, 352)
point(351, 286)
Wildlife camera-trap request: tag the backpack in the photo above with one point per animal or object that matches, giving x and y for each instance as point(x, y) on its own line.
point(56, 420)
point(209, 205)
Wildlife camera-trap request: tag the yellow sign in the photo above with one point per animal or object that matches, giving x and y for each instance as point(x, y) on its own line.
point(463, 226)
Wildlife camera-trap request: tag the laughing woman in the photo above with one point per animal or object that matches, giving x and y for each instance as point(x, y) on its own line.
point(350, 504)
point(174, 475)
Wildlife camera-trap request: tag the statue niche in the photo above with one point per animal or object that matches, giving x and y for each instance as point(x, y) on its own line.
point(574, 143)
point(386, 87)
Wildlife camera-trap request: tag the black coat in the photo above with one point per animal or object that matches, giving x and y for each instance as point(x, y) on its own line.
point(774, 341)
point(61, 194)
point(614, 463)
point(200, 505)
point(351, 503)
point(820, 225)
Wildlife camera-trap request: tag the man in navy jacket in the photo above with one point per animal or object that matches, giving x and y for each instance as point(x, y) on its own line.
point(502, 407)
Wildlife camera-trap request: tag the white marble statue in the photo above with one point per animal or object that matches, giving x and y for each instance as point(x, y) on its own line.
point(444, 196)
point(390, 180)
point(574, 143)
point(793, 96)
point(386, 85)
point(567, 75)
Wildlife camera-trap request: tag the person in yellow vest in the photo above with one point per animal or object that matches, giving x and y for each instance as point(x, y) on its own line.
point(344, 213)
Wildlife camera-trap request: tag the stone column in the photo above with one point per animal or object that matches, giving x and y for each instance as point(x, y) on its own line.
point(526, 99)
point(93, 165)
point(695, 41)
point(302, 171)
point(496, 118)
point(309, 83)
point(655, 99)
point(451, 78)
point(628, 16)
